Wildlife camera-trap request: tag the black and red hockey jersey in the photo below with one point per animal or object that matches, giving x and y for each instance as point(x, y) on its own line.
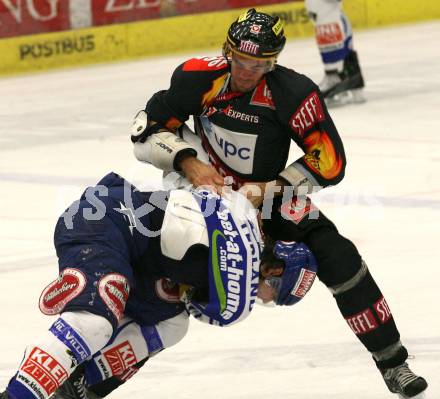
point(248, 135)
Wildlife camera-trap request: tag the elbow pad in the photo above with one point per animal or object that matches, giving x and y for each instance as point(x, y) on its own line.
point(302, 181)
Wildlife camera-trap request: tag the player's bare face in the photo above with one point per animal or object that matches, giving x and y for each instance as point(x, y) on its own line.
point(246, 73)
point(267, 293)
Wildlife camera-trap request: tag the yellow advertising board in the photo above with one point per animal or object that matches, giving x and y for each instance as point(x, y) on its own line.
point(183, 34)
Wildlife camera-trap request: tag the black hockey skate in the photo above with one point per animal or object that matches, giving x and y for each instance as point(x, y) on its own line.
point(340, 88)
point(74, 388)
point(404, 382)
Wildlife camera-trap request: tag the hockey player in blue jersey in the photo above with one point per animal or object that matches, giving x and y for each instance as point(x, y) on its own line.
point(133, 265)
point(343, 82)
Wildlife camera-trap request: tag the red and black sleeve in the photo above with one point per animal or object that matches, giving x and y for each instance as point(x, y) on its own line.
point(194, 84)
point(312, 128)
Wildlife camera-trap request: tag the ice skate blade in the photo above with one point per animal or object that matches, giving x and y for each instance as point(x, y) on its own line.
point(354, 96)
point(421, 395)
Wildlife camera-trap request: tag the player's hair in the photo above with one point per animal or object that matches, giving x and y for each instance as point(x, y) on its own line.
point(268, 257)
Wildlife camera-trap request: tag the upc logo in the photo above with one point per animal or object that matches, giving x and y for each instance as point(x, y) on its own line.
point(234, 148)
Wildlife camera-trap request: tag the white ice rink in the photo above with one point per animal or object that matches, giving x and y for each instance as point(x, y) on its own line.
point(62, 131)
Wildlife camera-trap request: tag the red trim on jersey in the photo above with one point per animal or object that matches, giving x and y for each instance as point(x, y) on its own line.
point(262, 96)
point(205, 64)
point(228, 96)
point(173, 123)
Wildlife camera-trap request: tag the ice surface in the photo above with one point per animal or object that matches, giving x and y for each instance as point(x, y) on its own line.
point(61, 131)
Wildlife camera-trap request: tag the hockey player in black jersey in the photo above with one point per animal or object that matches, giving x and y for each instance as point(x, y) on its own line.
point(132, 266)
point(247, 110)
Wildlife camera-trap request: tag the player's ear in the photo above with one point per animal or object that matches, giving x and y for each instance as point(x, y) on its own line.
point(267, 271)
point(276, 271)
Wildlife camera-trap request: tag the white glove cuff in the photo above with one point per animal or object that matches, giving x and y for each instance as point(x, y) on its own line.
point(298, 177)
point(161, 150)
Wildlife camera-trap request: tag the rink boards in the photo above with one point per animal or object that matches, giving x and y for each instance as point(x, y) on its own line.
point(180, 34)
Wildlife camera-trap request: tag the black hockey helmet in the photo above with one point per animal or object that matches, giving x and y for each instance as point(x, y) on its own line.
point(256, 35)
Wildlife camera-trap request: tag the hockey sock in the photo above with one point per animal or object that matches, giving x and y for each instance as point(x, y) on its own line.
point(118, 358)
point(128, 350)
point(390, 357)
point(49, 361)
point(105, 387)
point(366, 311)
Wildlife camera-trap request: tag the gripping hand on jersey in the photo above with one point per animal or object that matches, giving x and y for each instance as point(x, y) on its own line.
point(257, 192)
point(199, 174)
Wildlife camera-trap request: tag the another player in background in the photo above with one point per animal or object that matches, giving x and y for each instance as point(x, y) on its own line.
point(343, 81)
point(132, 266)
point(247, 109)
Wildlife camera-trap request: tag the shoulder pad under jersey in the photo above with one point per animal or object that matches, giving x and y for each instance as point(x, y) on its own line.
point(183, 225)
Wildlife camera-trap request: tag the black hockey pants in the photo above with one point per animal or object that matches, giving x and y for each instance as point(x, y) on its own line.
point(342, 270)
